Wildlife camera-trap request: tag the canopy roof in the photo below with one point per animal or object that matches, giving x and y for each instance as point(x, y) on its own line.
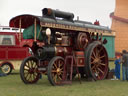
point(28, 20)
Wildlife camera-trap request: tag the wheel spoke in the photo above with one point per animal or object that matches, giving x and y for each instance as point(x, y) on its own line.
point(61, 69)
point(55, 65)
point(94, 54)
point(30, 78)
point(102, 56)
point(34, 76)
point(55, 77)
point(27, 78)
point(98, 53)
point(93, 67)
point(59, 77)
point(93, 62)
point(26, 75)
point(27, 65)
point(32, 63)
point(101, 48)
point(100, 70)
point(102, 64)
point(59, 63)
point(26, 69)
point(54, 71)
point(92, 57)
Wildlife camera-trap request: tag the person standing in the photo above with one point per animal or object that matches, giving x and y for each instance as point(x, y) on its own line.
point(117, 68)
point(125, 65)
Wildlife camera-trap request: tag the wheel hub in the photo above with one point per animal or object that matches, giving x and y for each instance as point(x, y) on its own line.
point(97, 60)
point(58, 70)
point(31, 71)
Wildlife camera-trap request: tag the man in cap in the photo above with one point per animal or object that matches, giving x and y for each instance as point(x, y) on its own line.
point(125, 65)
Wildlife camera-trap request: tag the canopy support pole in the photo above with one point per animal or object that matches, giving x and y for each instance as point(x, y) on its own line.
point(35, 30)
point(20, 30)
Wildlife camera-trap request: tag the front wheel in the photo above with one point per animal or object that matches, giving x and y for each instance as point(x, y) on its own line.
point(29, 70)
point(55, 70)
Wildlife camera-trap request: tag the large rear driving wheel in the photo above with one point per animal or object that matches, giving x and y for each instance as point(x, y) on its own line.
point(29, 70)
point(96, 61)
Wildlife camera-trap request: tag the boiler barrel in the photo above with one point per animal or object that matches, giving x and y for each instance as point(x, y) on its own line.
point(48, 52)
point(57, 13)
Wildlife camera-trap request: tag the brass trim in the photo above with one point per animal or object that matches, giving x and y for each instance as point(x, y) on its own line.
point(69, 27)
point(20, 30)
point(55, 51)
point(35, 30)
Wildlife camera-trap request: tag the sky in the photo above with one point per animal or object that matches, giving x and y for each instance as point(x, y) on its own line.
point(87, 10)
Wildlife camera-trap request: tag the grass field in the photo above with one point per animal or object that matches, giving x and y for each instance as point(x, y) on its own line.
point(13, 86)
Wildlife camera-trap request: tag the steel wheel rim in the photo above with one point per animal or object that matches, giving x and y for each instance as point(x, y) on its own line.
point(99, 62)
point(30, 71)
point(57, 71)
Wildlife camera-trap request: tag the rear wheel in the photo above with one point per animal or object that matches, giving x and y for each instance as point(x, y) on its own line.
point(29, 70)
point(96, 61)
point(6, 68)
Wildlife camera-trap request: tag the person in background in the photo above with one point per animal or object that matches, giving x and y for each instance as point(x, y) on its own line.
point(124, 65)
point(117, 68)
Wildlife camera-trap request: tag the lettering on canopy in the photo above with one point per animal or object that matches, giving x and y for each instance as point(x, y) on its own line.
point(69, 27)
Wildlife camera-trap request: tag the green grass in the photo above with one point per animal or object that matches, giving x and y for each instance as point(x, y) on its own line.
point(13, 86)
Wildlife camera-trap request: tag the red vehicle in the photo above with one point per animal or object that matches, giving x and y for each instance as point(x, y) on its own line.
point(11, 53)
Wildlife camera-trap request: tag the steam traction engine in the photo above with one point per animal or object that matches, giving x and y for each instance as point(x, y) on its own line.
point(61, 47)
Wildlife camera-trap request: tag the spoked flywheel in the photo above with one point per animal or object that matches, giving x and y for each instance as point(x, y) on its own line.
point(96, 61)
point(29, 70)
point(55, 70)
point(82, 41)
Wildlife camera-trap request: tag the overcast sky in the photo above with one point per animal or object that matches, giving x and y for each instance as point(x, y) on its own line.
point(87, 10)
